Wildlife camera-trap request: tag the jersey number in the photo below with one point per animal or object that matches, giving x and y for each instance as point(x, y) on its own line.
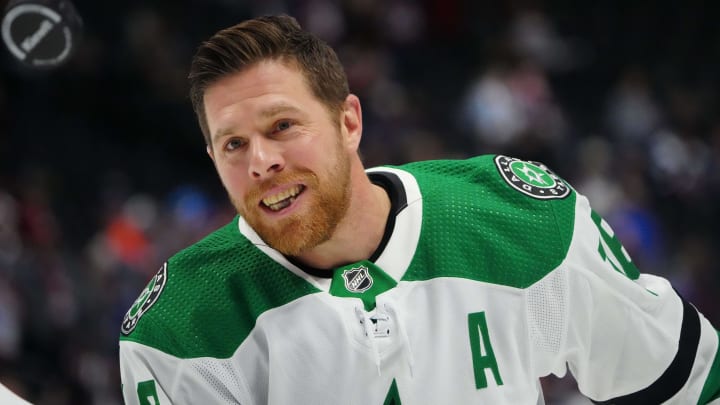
point(612, 251)
point(147, 393)
point(482, 351)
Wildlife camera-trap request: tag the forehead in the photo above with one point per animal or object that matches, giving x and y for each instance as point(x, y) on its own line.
point(254, 88)
point(261, 78)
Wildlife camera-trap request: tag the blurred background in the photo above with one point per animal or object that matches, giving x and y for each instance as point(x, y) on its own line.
point(103, 170)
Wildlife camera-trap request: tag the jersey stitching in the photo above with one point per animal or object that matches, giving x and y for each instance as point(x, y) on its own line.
point(561, 267)
point(245, 388)
point(528, 334)
point(176, 379)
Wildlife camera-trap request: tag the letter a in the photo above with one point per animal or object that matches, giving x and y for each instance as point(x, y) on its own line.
point(482, 351)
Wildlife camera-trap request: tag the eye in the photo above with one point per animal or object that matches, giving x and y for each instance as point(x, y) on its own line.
point(282, 126)
point(234, 143)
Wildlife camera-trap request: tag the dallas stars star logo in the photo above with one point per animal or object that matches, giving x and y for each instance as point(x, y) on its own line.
point(146, 299)
point(531, 175)
point(531, 178)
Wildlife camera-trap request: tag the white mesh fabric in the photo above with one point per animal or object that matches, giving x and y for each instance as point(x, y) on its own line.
point(546, 303)
point(218, 376)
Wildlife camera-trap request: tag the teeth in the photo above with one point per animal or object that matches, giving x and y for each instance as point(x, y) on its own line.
point(282, 199)
point(282, 204)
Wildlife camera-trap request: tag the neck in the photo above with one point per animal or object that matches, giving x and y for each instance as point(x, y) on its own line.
point(359, 234)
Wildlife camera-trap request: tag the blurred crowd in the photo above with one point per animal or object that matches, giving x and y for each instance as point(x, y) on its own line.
point(103, 171)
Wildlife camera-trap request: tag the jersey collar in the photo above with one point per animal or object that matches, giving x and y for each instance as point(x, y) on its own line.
point(399, 242)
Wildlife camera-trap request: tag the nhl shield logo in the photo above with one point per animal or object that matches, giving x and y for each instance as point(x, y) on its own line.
point(357, 279)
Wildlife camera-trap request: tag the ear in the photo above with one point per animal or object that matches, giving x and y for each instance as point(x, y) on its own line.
point(351, 122)
point(209, 150)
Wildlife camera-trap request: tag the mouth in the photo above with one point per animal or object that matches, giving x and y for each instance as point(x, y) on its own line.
point(283, 199)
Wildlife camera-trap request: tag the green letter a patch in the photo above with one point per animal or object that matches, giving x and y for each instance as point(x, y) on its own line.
point(393, 396)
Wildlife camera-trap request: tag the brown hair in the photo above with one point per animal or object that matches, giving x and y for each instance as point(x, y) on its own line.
point(267, 38)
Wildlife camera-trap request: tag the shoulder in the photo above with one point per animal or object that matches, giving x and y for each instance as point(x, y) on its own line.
point(494, 181)
point(178, 283)
point(211, 252)
point(223, 282)
point(498, 174)
point(515, 216)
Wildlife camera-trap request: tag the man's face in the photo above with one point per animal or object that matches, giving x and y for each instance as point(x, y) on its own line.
point(281, 157)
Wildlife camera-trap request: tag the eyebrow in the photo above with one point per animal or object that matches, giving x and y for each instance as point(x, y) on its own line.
point(265, 113)
point(276, 109)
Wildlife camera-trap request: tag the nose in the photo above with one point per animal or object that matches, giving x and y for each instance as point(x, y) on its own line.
point(266, 159)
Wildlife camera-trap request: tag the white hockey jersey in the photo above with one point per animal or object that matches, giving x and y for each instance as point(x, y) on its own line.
point(493, 273)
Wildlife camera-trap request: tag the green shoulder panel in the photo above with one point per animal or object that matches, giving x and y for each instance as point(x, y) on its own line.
point(491, 218)
point(222, 283)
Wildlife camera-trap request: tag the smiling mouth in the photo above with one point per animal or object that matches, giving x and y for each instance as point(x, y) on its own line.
point(282, 199)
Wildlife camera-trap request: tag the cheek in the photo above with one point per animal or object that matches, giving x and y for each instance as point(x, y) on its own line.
point(315, 152)
point(233, 178)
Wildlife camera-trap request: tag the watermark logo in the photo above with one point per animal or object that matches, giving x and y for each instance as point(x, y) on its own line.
point(40, 34)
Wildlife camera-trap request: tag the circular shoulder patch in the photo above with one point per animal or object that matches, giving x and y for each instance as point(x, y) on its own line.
point(531, 178)
point(147, 298)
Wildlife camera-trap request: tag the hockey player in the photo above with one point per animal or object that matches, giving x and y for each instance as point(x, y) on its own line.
point(438, 282)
